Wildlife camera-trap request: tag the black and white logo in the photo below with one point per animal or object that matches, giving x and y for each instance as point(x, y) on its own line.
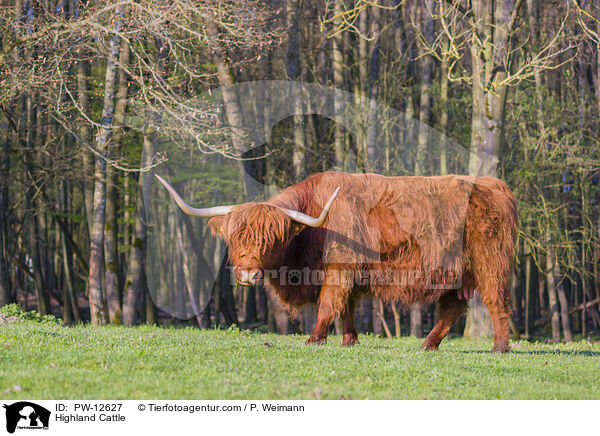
point(26, 415)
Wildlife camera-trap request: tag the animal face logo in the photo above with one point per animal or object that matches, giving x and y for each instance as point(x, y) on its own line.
point(26, 415)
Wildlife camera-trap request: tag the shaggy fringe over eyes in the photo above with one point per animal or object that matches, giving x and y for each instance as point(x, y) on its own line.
point(257, 225)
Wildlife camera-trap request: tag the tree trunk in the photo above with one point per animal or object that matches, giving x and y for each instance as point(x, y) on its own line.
point(97, 309)
point(280, 315)
point(134, 288)
point(233, 109)
point(373, 127)
point(426, 24)
point(216, 298)
point(416, 315)
point(150, 307)
point(68, 266)
point(416, 321)
point(113, 294)
point(5, 294)
point(309, 318)
point(337, 58)
point(69, 297)
point(362, 85)
point(489, 50)
point(375, 320)
point(588, 232)
point(34, 251)
point(111, 260)
point(551, 285)
point(134, 280)
point(293, 73)
point(187, 275)
point(565, 316)
point(365, 314)
point(444, 115)
point(227, 301)
point(478, 323)
point(85, 136)
point(409, 105)
point(529, 306)
point(263, 310)
point(251, 313)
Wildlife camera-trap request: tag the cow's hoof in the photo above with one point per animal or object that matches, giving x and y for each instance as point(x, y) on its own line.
point(500, 348)
point(429, 347)
point(349, 341)
point(316, 341)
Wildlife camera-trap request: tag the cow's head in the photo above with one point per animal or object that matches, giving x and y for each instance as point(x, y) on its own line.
point(257, 234)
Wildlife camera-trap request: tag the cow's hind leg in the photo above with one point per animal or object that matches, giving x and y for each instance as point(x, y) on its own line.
point(500, 312)
point(495, 294)
point(450, 308)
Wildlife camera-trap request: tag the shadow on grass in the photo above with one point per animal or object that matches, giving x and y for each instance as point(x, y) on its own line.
point(585, 353)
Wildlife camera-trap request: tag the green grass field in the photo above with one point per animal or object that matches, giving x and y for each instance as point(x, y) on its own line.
point(48, 361)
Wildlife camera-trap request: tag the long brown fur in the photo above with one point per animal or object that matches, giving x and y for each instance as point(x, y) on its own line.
point(459, 225)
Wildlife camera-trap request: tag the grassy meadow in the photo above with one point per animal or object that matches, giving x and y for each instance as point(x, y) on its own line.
point(44, 360)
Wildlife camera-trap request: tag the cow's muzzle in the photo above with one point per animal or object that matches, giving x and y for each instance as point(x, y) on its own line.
point(248, 276)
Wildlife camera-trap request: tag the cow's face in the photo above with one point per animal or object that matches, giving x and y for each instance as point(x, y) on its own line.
point(257, 235)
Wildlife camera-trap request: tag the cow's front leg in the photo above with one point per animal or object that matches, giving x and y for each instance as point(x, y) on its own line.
point(325, 317)
point(332, 301)
point(349, 325)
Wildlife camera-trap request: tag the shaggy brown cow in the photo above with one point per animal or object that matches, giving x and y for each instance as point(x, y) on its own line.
point(446, 236)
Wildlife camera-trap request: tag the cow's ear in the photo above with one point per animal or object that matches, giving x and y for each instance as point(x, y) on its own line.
point(297, 228)
point(216, 225)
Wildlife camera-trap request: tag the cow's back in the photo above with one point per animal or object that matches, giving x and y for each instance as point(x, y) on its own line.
point(402, 223)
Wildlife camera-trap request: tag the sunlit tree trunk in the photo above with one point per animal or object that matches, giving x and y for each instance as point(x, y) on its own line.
point(375, 320)
point(337, 58)
point(293, 73)
point(409, 104)
point(444, 115)
point(103, 137)
point(426, 28)
point(491, 26)
point(373, 157)
point(362, 84)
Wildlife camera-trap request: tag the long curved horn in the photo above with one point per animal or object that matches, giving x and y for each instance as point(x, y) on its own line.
point(308, 220)
point(202, 213)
